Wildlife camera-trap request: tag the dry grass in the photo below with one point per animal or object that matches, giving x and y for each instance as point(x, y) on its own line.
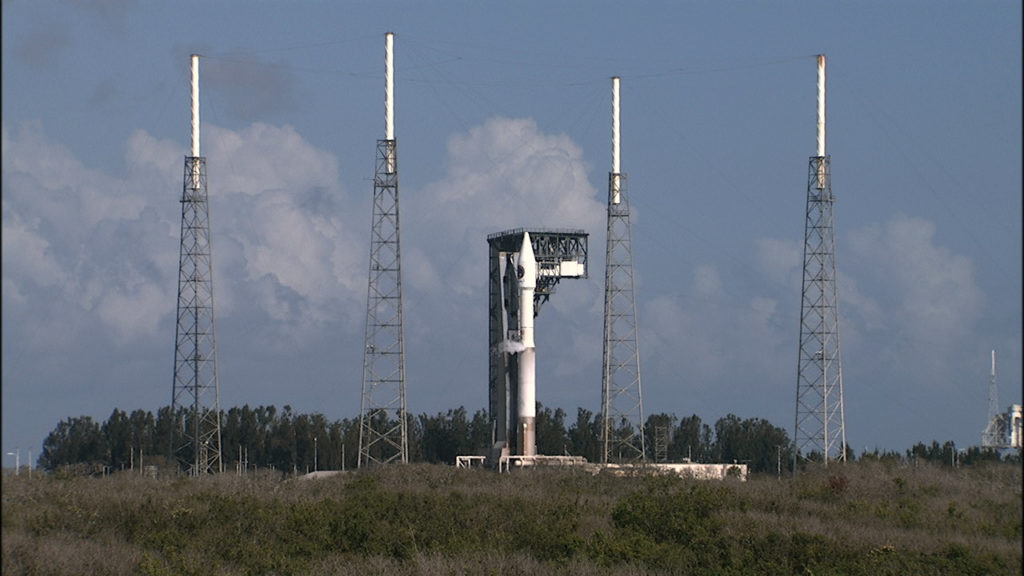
point(867, 518)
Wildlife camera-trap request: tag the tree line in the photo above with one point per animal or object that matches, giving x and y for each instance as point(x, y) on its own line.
point(265, 437)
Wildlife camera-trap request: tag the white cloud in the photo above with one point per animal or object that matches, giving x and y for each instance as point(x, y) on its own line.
point(26, 256)
point(264, 157)
point(780, 260)
point(507, 173)
point(134, 309)
point(929, 291)
point(144, 154)
point(503, 174)
point(289, 248)
point(80, 237)
point(109, 246)
point(295, 250)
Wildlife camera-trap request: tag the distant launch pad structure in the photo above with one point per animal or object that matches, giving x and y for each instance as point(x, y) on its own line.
point(383, 429)
point(993, 435)
point(820, 429)
point(1004, 428)
point(622, 408)
point(524, 268)
point(195, 441)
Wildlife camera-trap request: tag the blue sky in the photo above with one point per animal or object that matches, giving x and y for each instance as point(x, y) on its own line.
point(503, 119)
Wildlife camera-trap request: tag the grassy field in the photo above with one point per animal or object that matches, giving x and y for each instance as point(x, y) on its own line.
point(861, 518)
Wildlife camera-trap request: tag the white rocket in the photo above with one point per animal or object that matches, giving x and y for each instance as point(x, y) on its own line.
point(528, 356)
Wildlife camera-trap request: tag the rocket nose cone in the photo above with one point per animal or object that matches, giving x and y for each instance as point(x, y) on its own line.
point(526, 252)
point(528, 262)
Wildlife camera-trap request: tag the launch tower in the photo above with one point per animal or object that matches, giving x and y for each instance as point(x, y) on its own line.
point(195, 441)
point(1003, 431)
point(524, 267)
point(622, 436)
point(820, 429)
point(383, 432)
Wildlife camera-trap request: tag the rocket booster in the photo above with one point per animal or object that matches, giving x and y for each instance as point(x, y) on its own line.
point(528, 357)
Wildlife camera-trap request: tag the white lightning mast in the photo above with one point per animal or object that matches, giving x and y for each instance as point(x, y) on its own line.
point(820, 429)
point(621, 391)
point(383, 430)
point(196, 391)
point(994, 434)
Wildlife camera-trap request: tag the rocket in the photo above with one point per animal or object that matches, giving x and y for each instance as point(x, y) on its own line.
point(528, 356)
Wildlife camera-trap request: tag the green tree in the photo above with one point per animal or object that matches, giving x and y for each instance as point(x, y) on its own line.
point(117, 437)
point(584, 436)
point(658, 435)
point(445, 436)
point(552, 438)
point(753, 441)
point(691, 440)
point(282, 442)
point(74, 441)
point(480, 433)
point(143, 431)
point(163, 432)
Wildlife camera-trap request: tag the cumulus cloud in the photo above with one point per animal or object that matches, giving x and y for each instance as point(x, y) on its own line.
point(72, 242)
point(294, 250)
point(710, 336)
point(289, 246)
point(929, 291)
point(32, 262)
point(107, 247)
point(505, 173)
point(265, 157)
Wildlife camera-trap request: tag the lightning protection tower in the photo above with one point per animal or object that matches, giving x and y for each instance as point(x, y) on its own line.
point(820, 429)
point(994, 435)
point(196, 394)
point(383, 435)
point(622, 408)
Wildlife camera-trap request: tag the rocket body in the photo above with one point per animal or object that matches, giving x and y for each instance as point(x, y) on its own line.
point(528, 356)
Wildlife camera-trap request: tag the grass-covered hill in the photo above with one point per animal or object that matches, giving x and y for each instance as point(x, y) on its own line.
point(873, 518)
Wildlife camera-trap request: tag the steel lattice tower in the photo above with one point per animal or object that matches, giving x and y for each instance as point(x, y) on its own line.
point(994, 435)
point(383, 429)
point(622, 410)
point(196, 393)
point(820, 428)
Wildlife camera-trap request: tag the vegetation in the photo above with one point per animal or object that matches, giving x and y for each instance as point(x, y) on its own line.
point(264, 437)
point(875, 516)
